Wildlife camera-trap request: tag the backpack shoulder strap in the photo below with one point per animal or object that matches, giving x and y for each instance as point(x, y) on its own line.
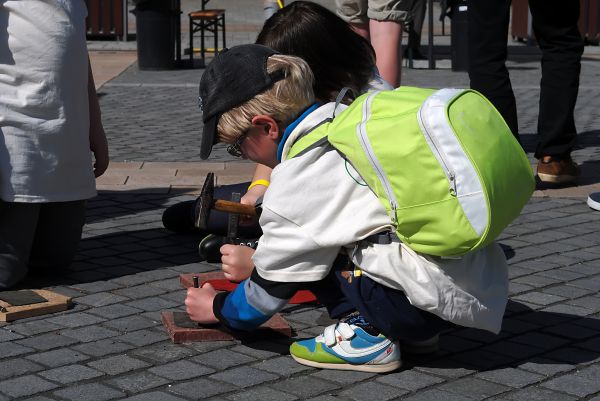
point(311, 139)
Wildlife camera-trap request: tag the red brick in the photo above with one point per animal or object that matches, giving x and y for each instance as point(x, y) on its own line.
point(277, 325)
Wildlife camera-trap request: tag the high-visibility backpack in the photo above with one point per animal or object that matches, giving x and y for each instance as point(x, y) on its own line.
point(443, 163)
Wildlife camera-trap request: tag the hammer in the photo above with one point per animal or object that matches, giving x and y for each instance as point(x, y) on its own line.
point(206, 202)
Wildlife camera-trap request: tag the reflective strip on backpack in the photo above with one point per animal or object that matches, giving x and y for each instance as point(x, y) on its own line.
point(363, 138)
point(444, 144)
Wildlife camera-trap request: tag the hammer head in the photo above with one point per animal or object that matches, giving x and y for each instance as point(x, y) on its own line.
point(204, 202)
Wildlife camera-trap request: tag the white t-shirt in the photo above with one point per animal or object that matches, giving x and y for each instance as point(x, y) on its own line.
point(44, 116)
point(316, 205)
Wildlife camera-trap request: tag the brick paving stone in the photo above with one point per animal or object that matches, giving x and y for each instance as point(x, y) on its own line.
point(263, 349)
point(545, 366)
point(201, 388)
point(14, 350)
point(512, 348)
point(17, 367)
point(75, 320)
point(25, 385)
point(244, 376)
point(130, 323)
point(153, 304)
point(114, 311)
point(8, 335)
point(89, 392)
point(539, 340)
point(305, 386)
point(181, 370)
point(574, 384)
point(58, 357)
point(572, 355)
point(100, 299)
point(166, 352)
point(45, 342)
point(571, 331)
point(511, 377)
point(143, 337)
point(481, 359)
point(70, 374)
point(154, 396)
point(118, 364)
point(372, 391)
point(538, 298)
point(263, 394)
point(283, 366)
point(223, 359)
point(103, 347)
point(568, 311)
point(138, 382)
point(90, 333)
point(537, 394)
point(33, 328)
point(477, 389)
point(140, 291)
point(342, 377)
point(435, 394)
point(409, 380)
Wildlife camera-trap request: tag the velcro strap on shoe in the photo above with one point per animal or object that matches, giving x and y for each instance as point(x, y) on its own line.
point(345, 330)
point(329, 335)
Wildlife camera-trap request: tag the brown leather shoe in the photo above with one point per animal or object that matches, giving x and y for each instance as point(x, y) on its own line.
point(552, 170)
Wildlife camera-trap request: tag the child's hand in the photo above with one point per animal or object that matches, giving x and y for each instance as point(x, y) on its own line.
point(236, 262)
point(199, 304)
point(253, 194)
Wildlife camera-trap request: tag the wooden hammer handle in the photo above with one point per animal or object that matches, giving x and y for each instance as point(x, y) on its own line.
point(234, 207)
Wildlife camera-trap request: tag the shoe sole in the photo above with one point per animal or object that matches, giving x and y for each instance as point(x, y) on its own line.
point(557, 179)
point(388, 367)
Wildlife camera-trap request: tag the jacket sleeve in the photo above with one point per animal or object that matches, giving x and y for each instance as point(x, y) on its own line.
point(253, 302)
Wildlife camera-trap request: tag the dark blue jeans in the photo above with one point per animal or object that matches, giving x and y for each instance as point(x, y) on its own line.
point(385, 308)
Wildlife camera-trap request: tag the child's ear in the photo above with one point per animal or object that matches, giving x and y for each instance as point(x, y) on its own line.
point(268, 124)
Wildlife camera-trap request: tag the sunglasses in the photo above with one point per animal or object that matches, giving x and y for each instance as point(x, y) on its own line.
point(235, 149)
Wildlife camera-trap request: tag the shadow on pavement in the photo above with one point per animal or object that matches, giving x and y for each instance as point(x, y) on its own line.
point(528, 337)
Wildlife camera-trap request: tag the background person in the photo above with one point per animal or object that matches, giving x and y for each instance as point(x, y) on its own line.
point(49, 121)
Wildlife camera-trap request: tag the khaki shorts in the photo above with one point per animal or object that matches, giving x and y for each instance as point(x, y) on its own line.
point(360, 11)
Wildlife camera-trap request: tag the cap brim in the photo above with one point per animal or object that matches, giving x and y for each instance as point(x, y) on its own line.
point(209, 137)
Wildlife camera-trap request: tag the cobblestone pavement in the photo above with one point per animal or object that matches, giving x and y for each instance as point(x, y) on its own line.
point(112, 345)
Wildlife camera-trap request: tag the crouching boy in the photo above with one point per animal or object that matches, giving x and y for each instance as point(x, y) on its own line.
point(324, 230)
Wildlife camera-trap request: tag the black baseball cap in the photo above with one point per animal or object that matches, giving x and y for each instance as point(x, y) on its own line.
point(234, 76)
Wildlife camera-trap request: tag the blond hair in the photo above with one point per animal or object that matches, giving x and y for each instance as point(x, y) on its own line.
point(283, 101)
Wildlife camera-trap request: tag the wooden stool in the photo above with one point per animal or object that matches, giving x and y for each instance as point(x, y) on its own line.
point(203, 21)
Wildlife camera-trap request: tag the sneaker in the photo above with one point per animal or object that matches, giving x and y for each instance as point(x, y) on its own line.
point(594, 201)
point(348, 347)
point(552, 170)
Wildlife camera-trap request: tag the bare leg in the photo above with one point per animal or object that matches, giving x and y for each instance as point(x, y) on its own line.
point(386, 37)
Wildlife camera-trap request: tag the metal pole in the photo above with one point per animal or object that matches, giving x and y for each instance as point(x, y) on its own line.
point(430, 39)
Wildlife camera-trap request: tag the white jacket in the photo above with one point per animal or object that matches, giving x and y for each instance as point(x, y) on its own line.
point(316, 205)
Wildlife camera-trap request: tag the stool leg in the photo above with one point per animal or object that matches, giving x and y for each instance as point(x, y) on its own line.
point(216, 32)
point(202, 42)
point(191, 43)
point(224, 44)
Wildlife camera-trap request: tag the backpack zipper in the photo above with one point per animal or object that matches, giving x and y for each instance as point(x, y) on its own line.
point(363, 138)
point(438, 153)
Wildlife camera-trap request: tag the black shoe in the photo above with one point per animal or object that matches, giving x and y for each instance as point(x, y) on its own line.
point(209, 247)
point(180, 217)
